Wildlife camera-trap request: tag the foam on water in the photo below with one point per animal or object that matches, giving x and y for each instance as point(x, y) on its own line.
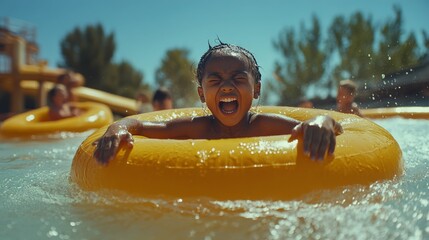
point(39, 202)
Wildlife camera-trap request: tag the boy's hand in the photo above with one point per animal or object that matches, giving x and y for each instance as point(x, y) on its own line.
point(108, 145)
point(319, 136)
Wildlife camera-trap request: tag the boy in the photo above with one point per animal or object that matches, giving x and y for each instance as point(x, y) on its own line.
point(346, 96)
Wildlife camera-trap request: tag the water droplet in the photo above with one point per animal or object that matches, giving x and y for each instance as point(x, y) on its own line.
point(383, 76)
point(52, 232)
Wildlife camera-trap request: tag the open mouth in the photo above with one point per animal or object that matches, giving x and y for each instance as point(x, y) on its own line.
point(228, 105)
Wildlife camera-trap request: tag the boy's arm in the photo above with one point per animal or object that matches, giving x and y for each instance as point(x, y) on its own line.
point(355, 110)
point(122, 132)
point(319, 136)
point(74, 110)
point(54, 115)
point(108, 145)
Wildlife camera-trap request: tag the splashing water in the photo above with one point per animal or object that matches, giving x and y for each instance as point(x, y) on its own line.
point(39, 202)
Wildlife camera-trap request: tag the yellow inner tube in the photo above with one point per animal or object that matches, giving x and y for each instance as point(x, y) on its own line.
point(240, 168)
point(405, 112)
point(36, 122)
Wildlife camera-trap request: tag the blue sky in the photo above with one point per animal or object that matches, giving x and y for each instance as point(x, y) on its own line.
point(145, 30)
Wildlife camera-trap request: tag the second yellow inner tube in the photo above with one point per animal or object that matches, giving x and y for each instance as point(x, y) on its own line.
point(240, 168)
point(36, 121)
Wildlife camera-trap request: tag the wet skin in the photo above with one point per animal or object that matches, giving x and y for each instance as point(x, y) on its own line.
point(60, 108)
point(228, 88)
point(345, 102)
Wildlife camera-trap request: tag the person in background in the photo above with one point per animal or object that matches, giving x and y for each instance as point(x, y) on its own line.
point(59, 108)
point(70, 81)
point(162, 100)
point(346, 98)
point(143, 103)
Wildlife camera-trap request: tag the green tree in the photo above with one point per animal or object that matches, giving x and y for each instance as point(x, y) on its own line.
point(352, 41)
point(177, 74)
point(304, 60)
point(425, 41)
point(90, 52)
point(355, 48)
point(394, 52)
point(124, 80)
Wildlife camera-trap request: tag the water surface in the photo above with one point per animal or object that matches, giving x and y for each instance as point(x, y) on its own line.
point(39, 202)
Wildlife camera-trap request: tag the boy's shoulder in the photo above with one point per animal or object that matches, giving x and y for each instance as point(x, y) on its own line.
point(272, 123)
point(191, 127)
point(266, 117)
point(192, 122)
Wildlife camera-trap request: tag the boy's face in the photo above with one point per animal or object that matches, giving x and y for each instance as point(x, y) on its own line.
point(228, 88)
point(344, 96)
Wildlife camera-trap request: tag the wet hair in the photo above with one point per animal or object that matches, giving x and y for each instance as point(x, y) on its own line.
point(349, 85)
point(160, 95)
point(228, 48)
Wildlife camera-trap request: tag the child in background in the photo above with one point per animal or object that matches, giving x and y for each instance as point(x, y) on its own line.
point(59, 108)
point(228, 80)
point(162, 100)
point(346, 97)
point(69, 81)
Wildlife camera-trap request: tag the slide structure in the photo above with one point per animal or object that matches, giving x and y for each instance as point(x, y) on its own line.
point(21, 73)
point(31, 87)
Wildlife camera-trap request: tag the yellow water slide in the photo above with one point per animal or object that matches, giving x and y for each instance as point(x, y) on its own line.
point(35, 81)
point(22, 74)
